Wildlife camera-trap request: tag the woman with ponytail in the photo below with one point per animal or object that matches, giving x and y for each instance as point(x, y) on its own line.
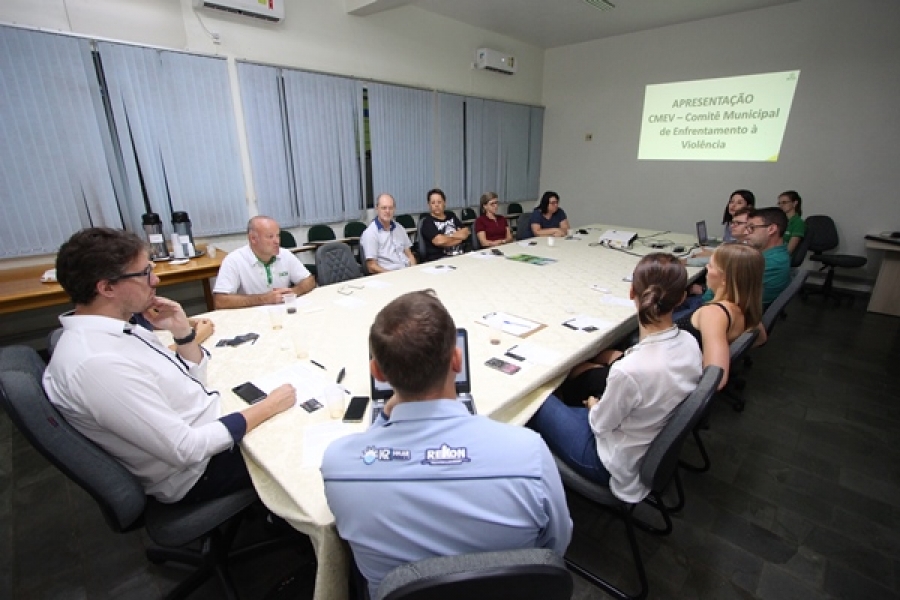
point(606, 439)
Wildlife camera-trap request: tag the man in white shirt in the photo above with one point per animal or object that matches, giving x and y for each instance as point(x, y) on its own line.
point(385, 243)
point(117, 384)
point(261, 272)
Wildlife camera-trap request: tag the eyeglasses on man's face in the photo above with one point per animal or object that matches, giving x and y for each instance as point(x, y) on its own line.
point(751, 227)
point(147, 272)
point(739, 223)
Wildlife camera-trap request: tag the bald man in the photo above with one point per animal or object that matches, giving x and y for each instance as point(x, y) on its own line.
point(261, 272)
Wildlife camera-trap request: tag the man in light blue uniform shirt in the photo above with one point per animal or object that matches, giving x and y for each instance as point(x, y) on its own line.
point(428, 479)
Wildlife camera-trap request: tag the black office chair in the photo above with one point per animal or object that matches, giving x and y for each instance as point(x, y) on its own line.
point(406, 221)
point(354, 229)
point(420, 241)
point(286, 239)
point(799, 253)
point(776, 309)
point(513, 209)
point(118, 493)
point(362, 261)
point(473, 239)
point(529, 574)
point(468, 214)
point(823, 236)
point(320, 233)
point(335, 263)
point(659, 468)
point(523, 228)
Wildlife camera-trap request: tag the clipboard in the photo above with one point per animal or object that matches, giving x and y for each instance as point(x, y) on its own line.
point(511, 324)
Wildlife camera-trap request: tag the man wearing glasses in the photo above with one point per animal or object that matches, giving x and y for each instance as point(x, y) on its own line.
point(261, 272)
point(144, 404)
point(765, 232)
point(385, 243)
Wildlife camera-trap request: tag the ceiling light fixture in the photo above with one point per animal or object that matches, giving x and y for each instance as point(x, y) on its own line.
point(601, 4)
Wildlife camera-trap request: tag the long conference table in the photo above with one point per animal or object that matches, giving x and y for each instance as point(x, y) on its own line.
point(284, 453)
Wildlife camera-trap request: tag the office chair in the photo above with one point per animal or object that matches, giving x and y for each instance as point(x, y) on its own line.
point(420, 241)
point(362, 261)
point(525, 574)
point(320, 233)
point(354, 229)
point(118, 493)
point(823, 236)
point(523, 228)
point(770, 317)
point(468, 214)
point(406, 221)
point(513, 209)
point(286, 239)
point(659, 468)
point(799, 253)
point(473, 239)
point(335, 263)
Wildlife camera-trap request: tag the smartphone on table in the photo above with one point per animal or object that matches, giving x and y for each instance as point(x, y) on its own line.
point(503, 366)
point(356, 409)
point(249, 393)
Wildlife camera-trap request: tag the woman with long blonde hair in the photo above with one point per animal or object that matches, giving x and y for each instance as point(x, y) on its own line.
point(734, 275)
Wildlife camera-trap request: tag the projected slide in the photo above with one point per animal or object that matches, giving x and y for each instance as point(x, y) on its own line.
point(732, 118)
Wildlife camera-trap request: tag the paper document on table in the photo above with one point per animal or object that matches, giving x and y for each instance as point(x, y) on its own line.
point(616, 301)
point(533, 353)
point(376, 283)
point(510, 324)
point(317, 437)
point(308, 381)
point(587, 323)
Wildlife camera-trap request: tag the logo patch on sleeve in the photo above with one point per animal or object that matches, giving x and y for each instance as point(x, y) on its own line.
point(445, 455)
point(372, 454)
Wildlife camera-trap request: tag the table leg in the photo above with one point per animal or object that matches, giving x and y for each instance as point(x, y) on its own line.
point(207, 294)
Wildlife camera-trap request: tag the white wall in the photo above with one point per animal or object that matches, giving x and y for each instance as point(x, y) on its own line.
point(406, 45)
point(839, 150)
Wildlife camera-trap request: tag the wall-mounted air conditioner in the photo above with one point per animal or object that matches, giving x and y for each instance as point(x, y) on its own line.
point(270, 10)
point(494, 60)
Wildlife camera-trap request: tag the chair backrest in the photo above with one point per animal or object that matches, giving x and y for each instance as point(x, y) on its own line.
point(741, 344)
point(473, 239)
point(420, 240)
point(362, 261)
point(406, 221)
point(514, 209)
point(770, 317)
point(469, 214)
point(335, 263)
point(523, 229)
point(354, 229)
point(527, 574)
point(320, 233)
point(53, 339)
point(661, 459)
point(119, 494)
point(799, 253)
point(821, 234)
point(286, 239)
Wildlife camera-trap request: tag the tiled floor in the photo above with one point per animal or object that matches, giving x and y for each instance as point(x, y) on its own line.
point(803, 499)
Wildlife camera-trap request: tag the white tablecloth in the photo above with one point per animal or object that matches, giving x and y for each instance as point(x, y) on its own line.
point(585, 281)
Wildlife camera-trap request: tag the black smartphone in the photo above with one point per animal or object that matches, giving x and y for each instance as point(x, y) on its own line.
point(249, 393)
point(496, 252)
point(503, 366)
point(356, 409)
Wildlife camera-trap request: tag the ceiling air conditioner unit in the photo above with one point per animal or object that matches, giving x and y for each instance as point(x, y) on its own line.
point(494, 60)
point(269, 10)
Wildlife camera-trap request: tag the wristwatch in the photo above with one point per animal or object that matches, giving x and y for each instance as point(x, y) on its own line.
point(186, 339)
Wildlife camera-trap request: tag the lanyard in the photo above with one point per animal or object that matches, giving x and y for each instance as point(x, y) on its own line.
point(268, 266)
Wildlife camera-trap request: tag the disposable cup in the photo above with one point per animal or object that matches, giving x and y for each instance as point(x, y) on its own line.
point(551, 241)
point(276, 316)
point(334, 400)
point(290, 303)
point(211, 251)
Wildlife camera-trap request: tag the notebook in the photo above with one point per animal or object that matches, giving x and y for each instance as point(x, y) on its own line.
point(702, 238)
point(382, 390)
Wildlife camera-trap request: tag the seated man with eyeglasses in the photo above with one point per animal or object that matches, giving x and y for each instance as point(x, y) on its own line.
point(116, 383)
point(764, 230)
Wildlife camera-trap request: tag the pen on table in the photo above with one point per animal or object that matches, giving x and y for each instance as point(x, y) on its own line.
point(320, 365)
point(510, 354)
point(340, 376)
